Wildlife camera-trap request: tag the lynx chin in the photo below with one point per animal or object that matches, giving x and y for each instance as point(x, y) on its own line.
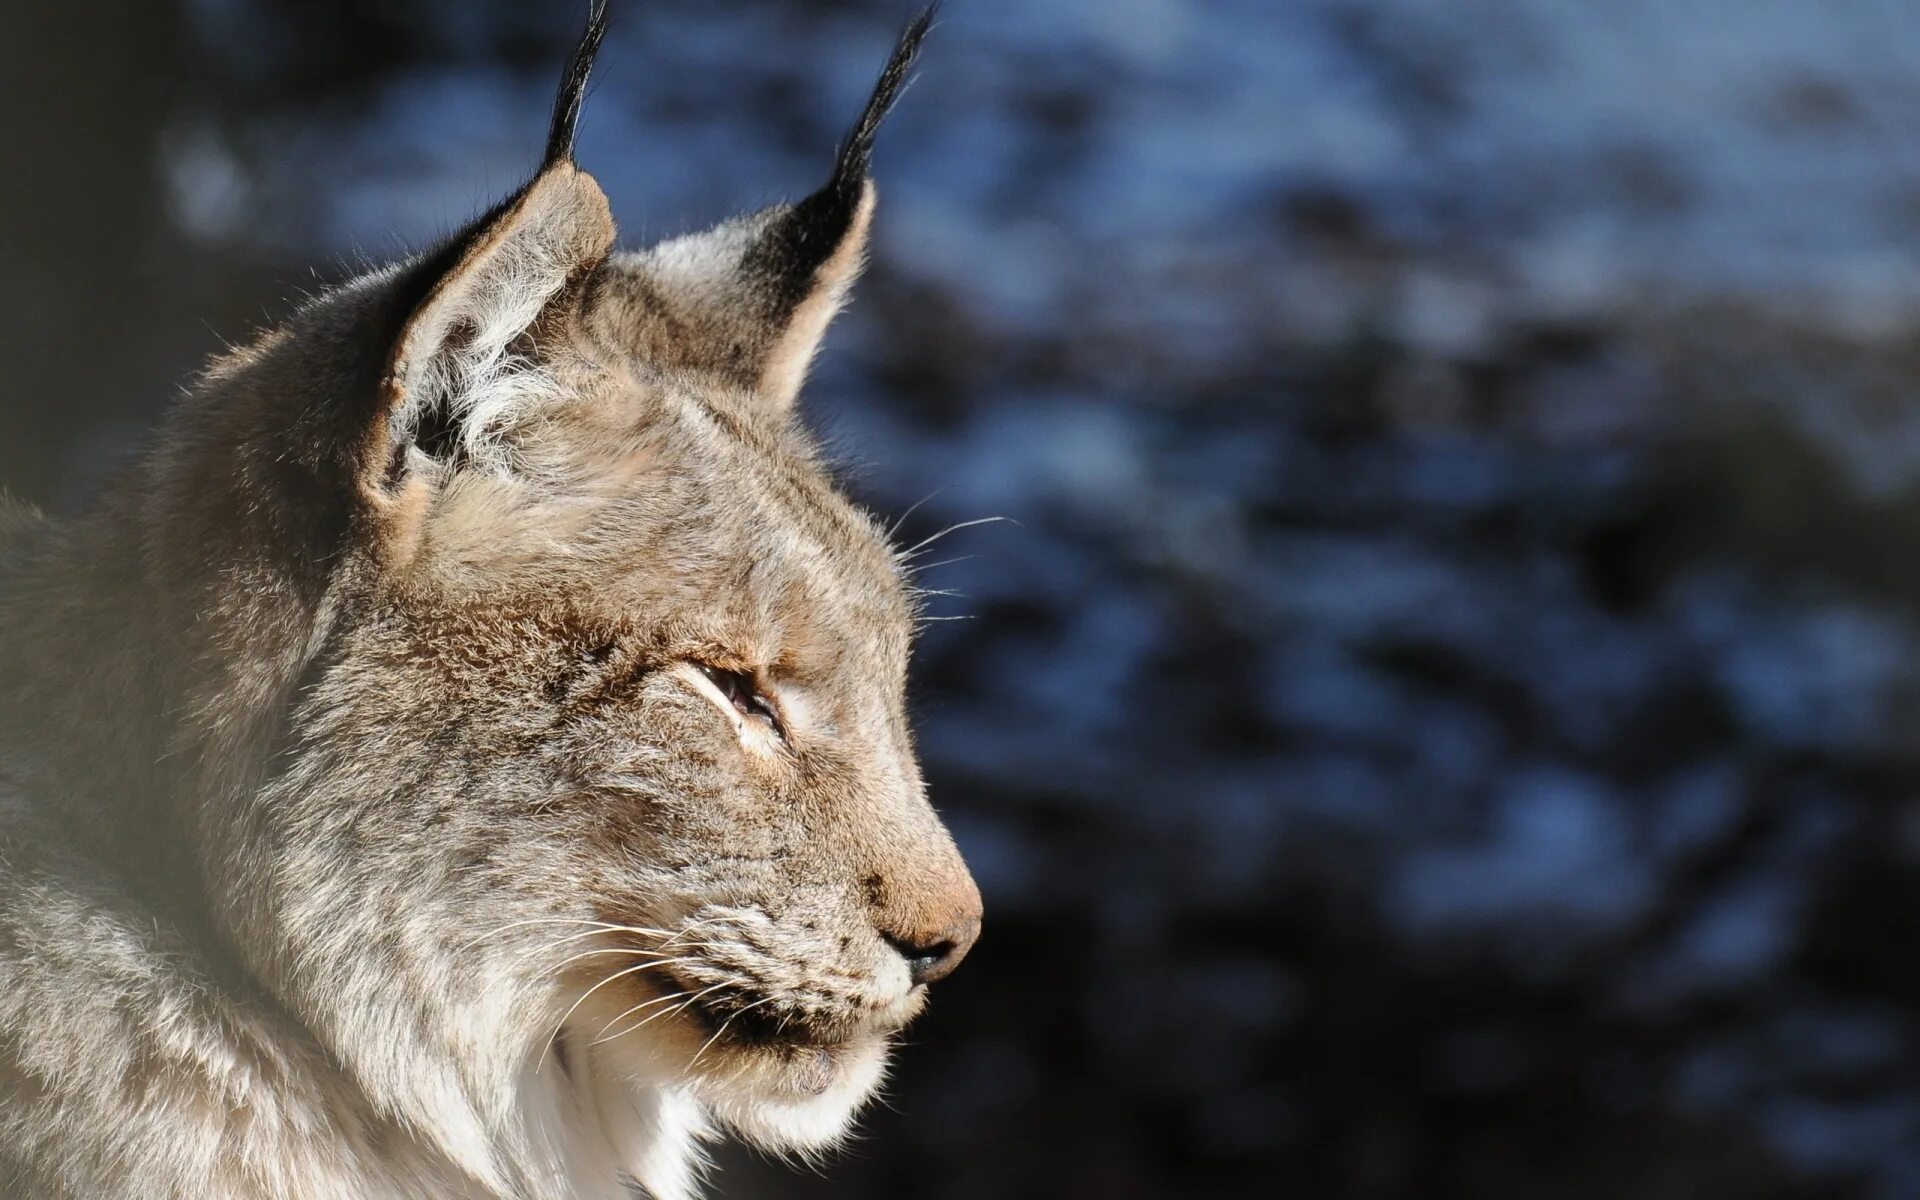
point(466, 756)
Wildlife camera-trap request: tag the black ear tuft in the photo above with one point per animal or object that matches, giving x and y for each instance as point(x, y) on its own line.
point(788, 253)
point(751, 299)
point(573, 86)
point(856, 153)
point(822, 219)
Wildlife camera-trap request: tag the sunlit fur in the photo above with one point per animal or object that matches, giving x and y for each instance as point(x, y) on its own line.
point(368, 825)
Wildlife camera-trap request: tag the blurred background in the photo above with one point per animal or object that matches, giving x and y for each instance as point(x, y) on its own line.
point(1441, 714)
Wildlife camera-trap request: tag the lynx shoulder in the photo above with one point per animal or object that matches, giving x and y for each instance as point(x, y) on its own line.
point(466, 755)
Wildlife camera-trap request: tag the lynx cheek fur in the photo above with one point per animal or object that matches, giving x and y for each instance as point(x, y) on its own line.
point(466, 758)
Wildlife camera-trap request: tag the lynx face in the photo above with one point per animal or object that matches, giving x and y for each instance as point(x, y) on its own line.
point(595, 774)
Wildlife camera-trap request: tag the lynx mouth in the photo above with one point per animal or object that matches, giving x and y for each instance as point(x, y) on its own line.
point(762, 1062)
point(739, 1018)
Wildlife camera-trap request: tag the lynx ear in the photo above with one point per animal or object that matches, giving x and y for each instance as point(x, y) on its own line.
point(463, 353)
point(751, 299)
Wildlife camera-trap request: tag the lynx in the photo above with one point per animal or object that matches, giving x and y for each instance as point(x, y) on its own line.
point(466, 757)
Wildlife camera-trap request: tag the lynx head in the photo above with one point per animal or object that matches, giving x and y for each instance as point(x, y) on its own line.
point(582, 796)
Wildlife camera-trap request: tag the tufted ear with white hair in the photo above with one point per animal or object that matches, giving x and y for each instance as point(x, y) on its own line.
point(750, 299)
point(464, 356)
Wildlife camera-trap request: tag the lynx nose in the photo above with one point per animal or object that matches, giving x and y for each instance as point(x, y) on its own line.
point(933, 956)
point(927, 907)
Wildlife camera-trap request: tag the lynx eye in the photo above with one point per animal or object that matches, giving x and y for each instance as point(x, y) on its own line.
point(745, 695)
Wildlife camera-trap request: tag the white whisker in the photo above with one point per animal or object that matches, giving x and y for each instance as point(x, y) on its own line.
point(592, 927)
point(723, 1028)
point(606, 1037)
point(907, 554)
point(582, 999)
point(945, 562)
point(601, 951)
point(902, 518)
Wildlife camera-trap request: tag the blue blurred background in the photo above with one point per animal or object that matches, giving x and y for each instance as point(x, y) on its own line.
point(1439, 717)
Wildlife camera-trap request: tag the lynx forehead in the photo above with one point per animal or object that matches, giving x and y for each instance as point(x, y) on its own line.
point(534, 796)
